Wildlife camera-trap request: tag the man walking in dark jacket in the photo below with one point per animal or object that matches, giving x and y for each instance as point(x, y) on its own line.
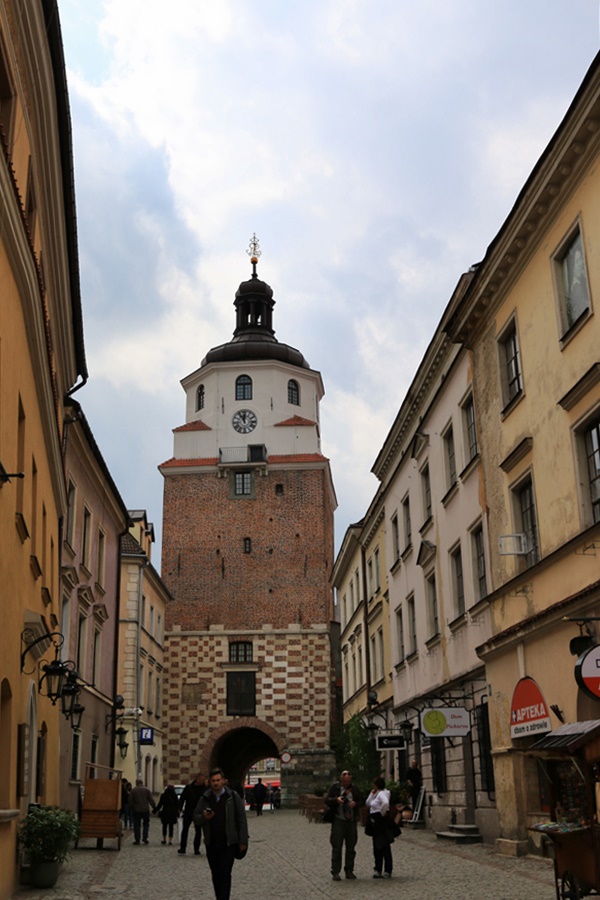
point(187, 803)
point(223, 816)
point(259, 795)
point(343, 799)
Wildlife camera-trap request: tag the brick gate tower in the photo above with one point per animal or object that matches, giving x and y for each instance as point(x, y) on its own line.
point(247, 555)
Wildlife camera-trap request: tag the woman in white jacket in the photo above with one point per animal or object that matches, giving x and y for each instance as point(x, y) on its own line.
point(378, 804)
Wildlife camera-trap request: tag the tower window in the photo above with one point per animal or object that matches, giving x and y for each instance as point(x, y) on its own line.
point(200, 398)
point(247, 545)
point(293, 392)
point(243, 484)
point(279, 489)
point(241, 693)
point(240, 652)
point(243, 388)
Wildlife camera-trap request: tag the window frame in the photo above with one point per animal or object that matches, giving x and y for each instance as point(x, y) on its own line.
point(243, 387)
point(241, 693)
point(525, 517)
point(411, 614)
point(478, 556)
point(241, 652)
point(470, 438)
point(400, 634)
point(200, 397)
point(457, 572)
point(433, 607)
point(569, 325)
point(407, 522)
point(426, 499)
point(293, 392)
point(509, 357)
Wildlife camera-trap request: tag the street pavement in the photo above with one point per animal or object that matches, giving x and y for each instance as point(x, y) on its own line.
point(289, 857)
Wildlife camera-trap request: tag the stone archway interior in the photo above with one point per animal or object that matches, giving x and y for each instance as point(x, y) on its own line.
point(239, 749)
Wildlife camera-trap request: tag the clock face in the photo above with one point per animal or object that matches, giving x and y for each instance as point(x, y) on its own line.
point(244, 421)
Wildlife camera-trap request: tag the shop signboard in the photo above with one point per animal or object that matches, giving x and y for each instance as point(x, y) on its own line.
point(587, 672)
point(528, 713)
point(445, 721)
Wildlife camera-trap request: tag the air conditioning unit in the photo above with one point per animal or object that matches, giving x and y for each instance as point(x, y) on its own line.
point(513, 545)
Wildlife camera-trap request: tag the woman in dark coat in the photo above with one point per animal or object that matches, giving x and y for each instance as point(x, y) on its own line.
point(378, 804)
point(168, 810)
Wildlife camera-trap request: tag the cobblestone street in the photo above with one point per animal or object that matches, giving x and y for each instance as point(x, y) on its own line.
point(290, 858)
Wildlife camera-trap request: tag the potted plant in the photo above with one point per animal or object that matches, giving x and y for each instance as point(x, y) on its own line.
point(46, 834)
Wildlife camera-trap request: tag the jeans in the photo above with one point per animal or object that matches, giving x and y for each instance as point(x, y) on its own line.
point(221, 860)
point(142, 819)
point(184, 834)
point(343, 832)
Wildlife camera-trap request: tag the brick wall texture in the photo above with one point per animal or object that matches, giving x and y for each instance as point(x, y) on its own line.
point(278, 596)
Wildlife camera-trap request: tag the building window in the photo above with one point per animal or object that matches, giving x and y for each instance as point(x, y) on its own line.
point(97, 657)
point(7, 102)
point(572, 278)
point(80, 655)
point(510, 363)
point(432, 605)
point(470, 429)
point(247, 545)
point(200, 398)
point(86, 538)
point(395, 538)
point(279, 490)
point(486, 767)
point(151, 620)
point(71, 493)
point(406, 522)
point(101, 558)
point(400, 634)
point(458, 582)
point(380, 653)
point(243, 388)
point(377, 570)
point(243, 484)
point(293, 392)
point(374, 674)
point(150, 692)
point(438, 764)
point(75, 748)
point(370, 577)
point(142, 686)
point(449, 457)
point(525, 509)
point(240, 652)
point(241, 693)
point(412, 624)
point(479, 563)
point(159, 628)
point(592, 453)
point(158, 698)
point(426, 493)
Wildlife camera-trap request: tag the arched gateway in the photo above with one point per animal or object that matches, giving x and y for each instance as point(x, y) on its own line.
point(247, 555)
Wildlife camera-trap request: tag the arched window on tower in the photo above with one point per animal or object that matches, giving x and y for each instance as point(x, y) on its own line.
point(200, 398)
point(243, 388)
point(293, 392)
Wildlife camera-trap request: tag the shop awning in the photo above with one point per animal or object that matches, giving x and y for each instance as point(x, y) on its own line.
point(569, 737)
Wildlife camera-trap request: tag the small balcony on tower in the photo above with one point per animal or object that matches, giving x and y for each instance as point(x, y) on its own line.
point(253, 455)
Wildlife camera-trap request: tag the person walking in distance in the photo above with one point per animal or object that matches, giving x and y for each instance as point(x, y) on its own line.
point(168, 810)
point(414, 777)
point(222, 814)
point(188, 802)
point(343, 800)
point(140, 802)
point(260, 795)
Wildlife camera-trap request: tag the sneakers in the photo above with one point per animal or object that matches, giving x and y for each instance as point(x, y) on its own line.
point(336, 877)
point(387, 874)
point(377, 875)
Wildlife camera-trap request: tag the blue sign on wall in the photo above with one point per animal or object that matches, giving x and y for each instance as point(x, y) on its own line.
point(146, 735)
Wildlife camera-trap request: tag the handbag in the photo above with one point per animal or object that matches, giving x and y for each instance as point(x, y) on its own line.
point(396, 830)
point(369, 827)
point(328, 815)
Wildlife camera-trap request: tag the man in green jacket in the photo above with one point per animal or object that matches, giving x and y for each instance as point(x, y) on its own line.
point(222, 814)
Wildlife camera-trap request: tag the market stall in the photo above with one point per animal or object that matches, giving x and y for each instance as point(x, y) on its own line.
point(570, 757)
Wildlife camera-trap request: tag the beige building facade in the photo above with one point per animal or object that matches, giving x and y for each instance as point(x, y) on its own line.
point(42, 359)
point(143, 609)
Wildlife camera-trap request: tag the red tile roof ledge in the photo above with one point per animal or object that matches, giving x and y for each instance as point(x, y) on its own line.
point(198, 425)
point(276, 459)
point(186, 463)
point(295, 420)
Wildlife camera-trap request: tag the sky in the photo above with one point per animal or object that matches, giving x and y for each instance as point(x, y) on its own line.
point(375, 147)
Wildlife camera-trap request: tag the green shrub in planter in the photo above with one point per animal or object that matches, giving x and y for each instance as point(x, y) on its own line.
point(47, 832)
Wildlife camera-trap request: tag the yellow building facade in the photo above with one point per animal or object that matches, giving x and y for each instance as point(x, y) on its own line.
point(42, 359)
point(530, 318)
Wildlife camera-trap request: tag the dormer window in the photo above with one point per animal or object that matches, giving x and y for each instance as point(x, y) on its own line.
point(200, 398)
point(243, 388)
point(293, 392)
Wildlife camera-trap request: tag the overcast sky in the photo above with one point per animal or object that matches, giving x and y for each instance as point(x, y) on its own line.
point(374, 146)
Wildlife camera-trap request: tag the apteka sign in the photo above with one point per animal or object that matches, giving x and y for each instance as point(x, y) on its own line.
point(528, 712)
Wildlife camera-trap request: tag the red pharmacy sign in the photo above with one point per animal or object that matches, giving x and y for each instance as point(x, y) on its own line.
point(528, 712)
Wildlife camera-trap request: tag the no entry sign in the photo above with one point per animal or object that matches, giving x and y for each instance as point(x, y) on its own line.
point(587, 672)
